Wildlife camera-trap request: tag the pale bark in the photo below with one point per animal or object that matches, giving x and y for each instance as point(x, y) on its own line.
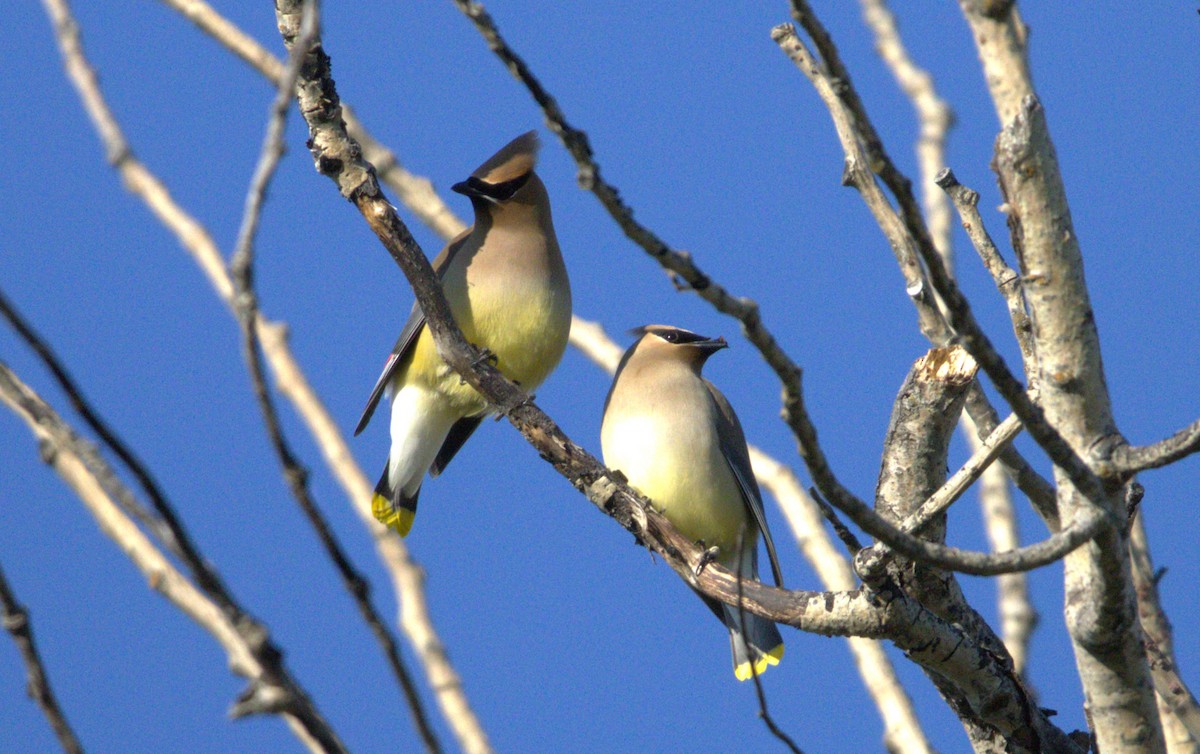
point(1100, 608)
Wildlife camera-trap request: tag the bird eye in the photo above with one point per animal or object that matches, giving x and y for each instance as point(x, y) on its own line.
point(671, 336)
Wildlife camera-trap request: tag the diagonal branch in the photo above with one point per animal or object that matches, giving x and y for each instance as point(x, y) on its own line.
point(15, 619)
point(1008, 282)
point(251, 652)
point(1178, 707)
point(934, 117)
point(162, 523)
point(876, 156)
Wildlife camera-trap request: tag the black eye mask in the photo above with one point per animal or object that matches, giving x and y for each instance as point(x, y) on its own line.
point(499, 192)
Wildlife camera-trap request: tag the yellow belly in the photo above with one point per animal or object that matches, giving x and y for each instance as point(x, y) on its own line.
point(526, 330)
point(684, 475)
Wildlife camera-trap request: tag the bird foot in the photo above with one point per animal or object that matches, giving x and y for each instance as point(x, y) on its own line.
point(486, 354)
point(706, 557)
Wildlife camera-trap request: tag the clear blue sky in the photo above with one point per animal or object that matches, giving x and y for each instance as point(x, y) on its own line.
point(568, 637)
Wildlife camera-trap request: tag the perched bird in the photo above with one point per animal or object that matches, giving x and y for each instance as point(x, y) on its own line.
point(507, 288)
point(676, 439)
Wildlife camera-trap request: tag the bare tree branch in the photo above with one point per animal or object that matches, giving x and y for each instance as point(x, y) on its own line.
point(153, 523)
point(1008, 282)
point(296, 475)
point(1130, 459)
point(15, 619)
point(934, 117)
point(858, 174)
point(1100, 608)
point(967, 474)
point(251, 653)
point(1177, 706)
point(406, 574)
point(876, 157)
point(1040, 492)
point(914, 464)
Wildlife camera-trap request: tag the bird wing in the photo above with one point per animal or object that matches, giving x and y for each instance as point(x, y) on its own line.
point(733, 447)
point(408, 335)
point(462, 429)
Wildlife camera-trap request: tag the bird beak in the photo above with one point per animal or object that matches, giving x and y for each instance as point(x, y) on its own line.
point(465, 188)
point(712, 345)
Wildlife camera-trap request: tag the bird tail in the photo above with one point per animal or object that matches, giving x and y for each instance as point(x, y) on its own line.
point(390, 506)
point(755, 641)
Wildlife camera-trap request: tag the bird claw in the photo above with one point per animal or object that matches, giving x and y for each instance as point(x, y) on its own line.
point(525, 401)
point(706, 557)
point(486, 354)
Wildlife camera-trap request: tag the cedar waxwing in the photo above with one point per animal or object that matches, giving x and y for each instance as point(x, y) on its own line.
point(676, 439)
point(508, 291)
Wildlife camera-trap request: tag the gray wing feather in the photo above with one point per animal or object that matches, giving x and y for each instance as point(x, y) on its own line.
point(733, 447)
point(408, 335)
point(459, 434)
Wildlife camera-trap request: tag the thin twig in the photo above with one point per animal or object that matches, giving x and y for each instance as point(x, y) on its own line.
point(876, 157)
point(934, 116)
point(1178, 708)
point(1008, 282)
point(1130, 459)
point(162, 530)
point(252, 655)
point(966, 475)
point(844, 534)
point(758, 687)
point(242, 271)
point(15, 619)
point(1041, 493)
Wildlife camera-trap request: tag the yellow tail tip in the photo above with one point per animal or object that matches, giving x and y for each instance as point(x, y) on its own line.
point(399, 520)
point(743, 672)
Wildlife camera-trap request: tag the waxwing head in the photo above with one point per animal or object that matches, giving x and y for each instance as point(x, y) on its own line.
point(507, 177)
point(663, 342)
